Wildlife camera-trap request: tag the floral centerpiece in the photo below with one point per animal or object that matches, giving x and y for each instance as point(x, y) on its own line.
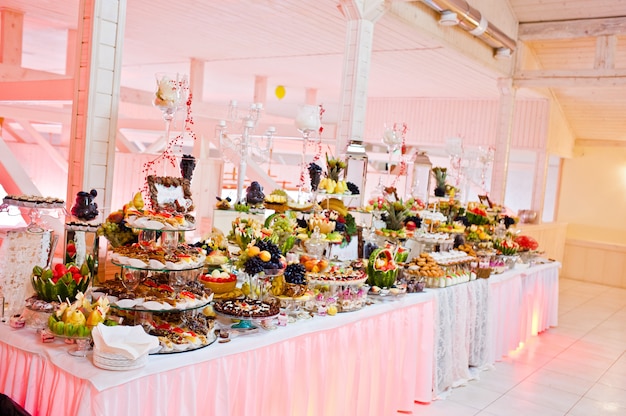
point(168, 92)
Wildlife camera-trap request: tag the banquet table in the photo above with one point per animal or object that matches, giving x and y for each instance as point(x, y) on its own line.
point(479, 322)
point(375, 361)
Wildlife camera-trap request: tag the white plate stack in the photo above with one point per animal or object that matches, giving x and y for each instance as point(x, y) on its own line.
point(121, 348)
point(116, 361)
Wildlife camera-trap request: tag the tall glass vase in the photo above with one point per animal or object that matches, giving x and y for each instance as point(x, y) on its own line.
point(308, 123)
point(170, 96)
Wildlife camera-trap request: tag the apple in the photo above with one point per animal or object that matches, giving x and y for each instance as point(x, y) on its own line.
point(410, 225)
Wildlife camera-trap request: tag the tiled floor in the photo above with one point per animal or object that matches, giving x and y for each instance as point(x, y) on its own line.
point(577, 368)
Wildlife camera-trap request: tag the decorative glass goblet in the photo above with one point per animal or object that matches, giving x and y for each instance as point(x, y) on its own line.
point(392, 138)
point(170, 96)
point(307, 122)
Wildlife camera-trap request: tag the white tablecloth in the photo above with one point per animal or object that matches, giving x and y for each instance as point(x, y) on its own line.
point(371, 362)
point(480, 322)
point(522, 304)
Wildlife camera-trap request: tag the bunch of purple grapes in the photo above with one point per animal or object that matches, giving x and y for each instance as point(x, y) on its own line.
point(315, 173)
point(294, 273)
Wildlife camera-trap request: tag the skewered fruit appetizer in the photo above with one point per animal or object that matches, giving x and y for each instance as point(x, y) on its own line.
point(219, 281)
point(63, 281)
point(77, 319)
point(382, 269)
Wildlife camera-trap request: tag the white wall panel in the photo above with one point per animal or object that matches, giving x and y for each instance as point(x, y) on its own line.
point(432, 121)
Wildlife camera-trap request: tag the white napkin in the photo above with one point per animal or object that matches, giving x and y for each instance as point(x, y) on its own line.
point(130, 342)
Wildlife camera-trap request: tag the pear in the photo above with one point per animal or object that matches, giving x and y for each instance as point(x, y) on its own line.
point(75, 317)
point(95, 317)
point(138, 201)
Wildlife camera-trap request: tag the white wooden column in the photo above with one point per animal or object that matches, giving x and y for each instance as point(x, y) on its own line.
point(503, 141)
point(96, 98)
point(361, 16)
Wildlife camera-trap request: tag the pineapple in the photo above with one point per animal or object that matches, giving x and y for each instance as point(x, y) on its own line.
point(440, 175)
point(334, 167)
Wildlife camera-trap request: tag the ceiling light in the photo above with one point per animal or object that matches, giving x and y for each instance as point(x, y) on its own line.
point(503, 53)
point(448, 18)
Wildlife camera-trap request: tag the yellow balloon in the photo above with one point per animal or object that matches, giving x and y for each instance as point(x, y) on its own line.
point(280, 92)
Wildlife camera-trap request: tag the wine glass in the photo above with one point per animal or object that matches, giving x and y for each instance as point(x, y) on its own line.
point(131, 279)
point(170, 96)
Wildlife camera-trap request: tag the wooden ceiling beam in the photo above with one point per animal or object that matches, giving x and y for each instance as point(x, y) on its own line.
point(40, 90)
point(123, 144)
point(13, 177)
point(10, 72)
point(569, 29)
point(36, 113)
point(570, 78)
point(41, 141)
point(600, 143)
point(6, 128)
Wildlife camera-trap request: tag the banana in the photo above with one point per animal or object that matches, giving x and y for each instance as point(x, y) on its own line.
point(335, 204)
